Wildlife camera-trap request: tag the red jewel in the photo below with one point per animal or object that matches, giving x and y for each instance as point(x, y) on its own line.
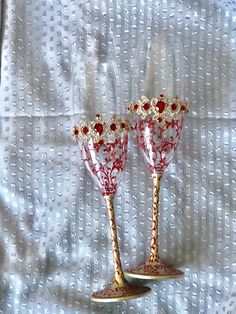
point(98, 116)
point(113, 126)
point(98, 128)
point(122, 125)
point(146, 106)
point(161, 105)
point(101, 142)
point(136, 106)
point(159, 119)
point(174, 106)
point(161, 95)
point(76, 132)
point(183, 108)
point(85, 130)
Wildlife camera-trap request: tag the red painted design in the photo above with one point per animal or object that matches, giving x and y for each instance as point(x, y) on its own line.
point(119, 275)
point(146, 106)
point(105, 158)
point(161, 106)
point(85, 130)
point(98, 127)
point(76, 132)
point(158, 107)
point(113, 126)
point(157, 137)
point(154, 270)
point(106, 161)
point(119, 292)
point(101, 129)
point(174, 106)
point(158, 141)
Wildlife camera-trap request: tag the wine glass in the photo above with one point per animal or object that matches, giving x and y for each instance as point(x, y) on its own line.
point(159, 122)
point(104, 151)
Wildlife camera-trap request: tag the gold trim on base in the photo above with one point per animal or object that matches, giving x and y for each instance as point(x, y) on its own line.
point(116, 293)
point(152, 277)
point(154, 271)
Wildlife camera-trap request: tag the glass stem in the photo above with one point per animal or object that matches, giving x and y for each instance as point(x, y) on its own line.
point(119, 275)
point(154, 254)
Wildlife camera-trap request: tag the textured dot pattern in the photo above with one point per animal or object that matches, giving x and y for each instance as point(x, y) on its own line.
point(54, 234)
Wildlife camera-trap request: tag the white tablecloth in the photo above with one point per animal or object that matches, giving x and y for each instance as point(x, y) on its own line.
point(54, 240)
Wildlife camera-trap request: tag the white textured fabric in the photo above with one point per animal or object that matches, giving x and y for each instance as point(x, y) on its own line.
point(54, 240)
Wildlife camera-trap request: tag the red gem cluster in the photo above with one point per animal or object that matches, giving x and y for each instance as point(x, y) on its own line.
point(160, 107)
point(100, 129)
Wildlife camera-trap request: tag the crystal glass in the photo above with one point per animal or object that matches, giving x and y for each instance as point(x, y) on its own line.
point(158, 127)
point(104, 151)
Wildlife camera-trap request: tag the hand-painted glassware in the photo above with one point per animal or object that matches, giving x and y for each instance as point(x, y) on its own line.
point(159, 123)
point(104, 151)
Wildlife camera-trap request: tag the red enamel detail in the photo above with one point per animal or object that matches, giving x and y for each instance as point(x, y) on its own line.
point(136, 106)
point(85, 129)
point(113, 126)
point(161, 95)
point(159, 119)
point(161, 105)
point(183, 107)
point(122, 125)
point(159, 143)
point(106, 161)
point(174, 106)
point(146, 106)
point(76, 132)
point(98, 128)
point(98, 116)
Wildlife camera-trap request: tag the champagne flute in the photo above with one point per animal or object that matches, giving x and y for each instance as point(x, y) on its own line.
point(158, 128)
point(104, 151)
point(104, 146)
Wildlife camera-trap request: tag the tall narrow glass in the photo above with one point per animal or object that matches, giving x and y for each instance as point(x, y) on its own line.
point(158, 128)
point(104, 151)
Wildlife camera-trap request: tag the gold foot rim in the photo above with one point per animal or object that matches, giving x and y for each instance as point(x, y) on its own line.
point(137, 292)
point(132, 274)
point(154, 271)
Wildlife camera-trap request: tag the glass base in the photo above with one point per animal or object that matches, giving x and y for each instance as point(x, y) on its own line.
point(154, 271)
point(116, 293)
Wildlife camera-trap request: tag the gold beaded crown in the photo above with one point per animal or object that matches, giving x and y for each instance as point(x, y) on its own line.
point(160, 108)
point(100, 129)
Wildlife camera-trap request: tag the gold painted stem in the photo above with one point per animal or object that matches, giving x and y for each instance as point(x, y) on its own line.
point(154, 255)
point(119, 275)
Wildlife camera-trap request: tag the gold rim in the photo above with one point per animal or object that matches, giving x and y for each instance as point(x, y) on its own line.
point(121, 298)
point(153, 277)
